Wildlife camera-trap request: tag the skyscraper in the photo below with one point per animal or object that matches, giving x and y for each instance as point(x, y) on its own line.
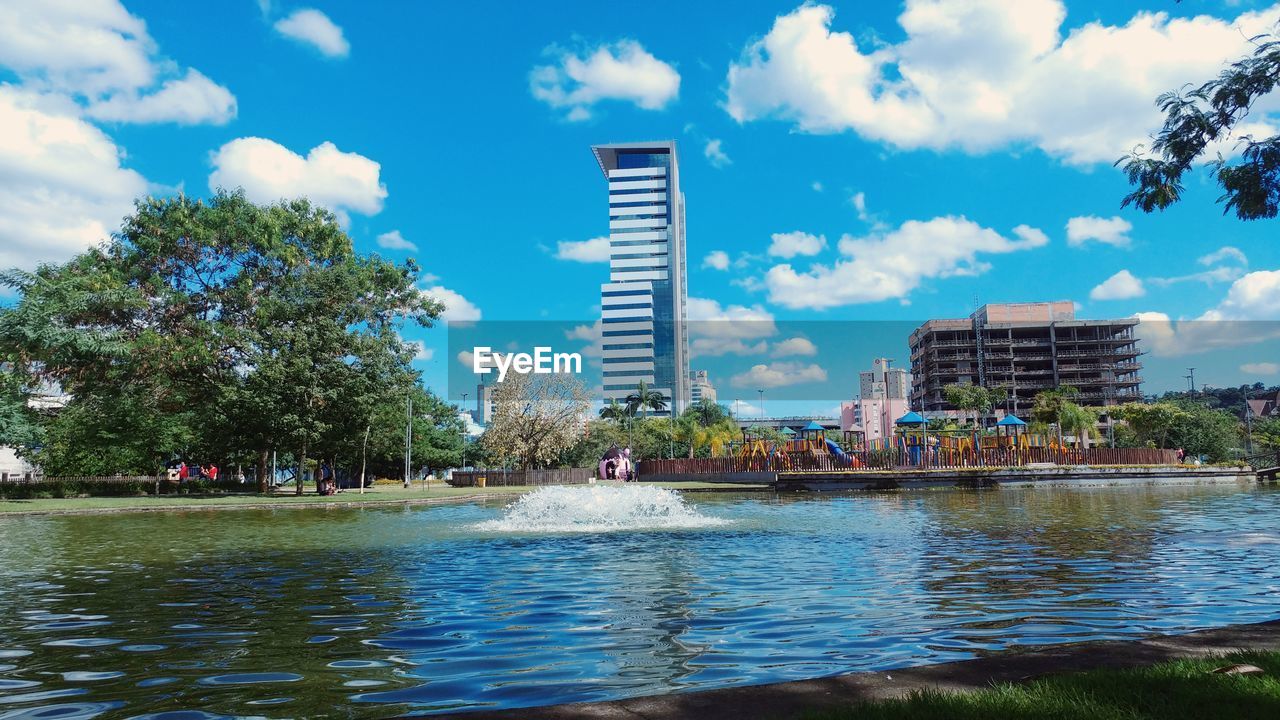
point(643, 305)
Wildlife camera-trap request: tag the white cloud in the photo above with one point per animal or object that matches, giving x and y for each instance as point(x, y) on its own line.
point(1108, 231)
point(817, 186)
point(718, 346)
point(716, 260)
point(595, 250)
point(882, 266)
point(1255, 296)
point(395, 241)
point(456, 307)
point(190, 100)
point(623, 71)
point(708, 319)
point(1261, 368)
point(98, 53)
point(715, 154)
point(794, 346)
point(63, 188)
point(1121, 286)
point(269, 172)
point(859, 202)
point(420, 350)
point(1225, 253)
point(314, 28)
point(984, 74)
point(778, 374)
point(1236, 263)
point(789, 245)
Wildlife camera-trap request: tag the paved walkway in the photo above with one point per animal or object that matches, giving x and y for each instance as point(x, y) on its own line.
point(791, 699)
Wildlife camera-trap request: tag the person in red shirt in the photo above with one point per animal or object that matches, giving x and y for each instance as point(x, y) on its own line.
point(182, 472)
point(213, 471)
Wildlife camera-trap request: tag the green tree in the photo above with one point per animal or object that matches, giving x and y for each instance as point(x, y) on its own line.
point(1198, 117)
point(616, 411)
point(221, 328)
point(645, 399)
point(1152, 424)
point(974, 398)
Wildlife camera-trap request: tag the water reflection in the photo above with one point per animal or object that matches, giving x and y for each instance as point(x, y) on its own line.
point(372, 612)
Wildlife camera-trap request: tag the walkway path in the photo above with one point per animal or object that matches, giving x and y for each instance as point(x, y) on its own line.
point(792, 699)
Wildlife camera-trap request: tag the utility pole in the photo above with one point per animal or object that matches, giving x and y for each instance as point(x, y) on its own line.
point(464, 432)
point(408, 443)
point(1248, 423)
point(762, 416)
point(1191, 378)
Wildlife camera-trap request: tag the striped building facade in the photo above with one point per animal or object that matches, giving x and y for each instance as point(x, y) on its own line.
point(643, 316)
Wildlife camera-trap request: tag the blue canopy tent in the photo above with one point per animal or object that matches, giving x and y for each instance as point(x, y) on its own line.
point(1010, 426)
point(915, 419)
point(911, 418)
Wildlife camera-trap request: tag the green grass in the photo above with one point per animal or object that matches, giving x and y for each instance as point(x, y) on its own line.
point(1169, 691)
point(379, 494)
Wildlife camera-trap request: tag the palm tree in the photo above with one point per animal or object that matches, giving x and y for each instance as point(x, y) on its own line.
point(645, 399)
point(615, 411)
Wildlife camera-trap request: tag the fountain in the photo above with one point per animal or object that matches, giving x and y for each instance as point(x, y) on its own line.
point(598, 508)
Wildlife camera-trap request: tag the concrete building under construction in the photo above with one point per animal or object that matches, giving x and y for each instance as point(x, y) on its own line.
point(1026, 348)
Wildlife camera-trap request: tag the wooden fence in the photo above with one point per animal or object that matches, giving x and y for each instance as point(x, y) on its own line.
point(909, 459)
point(550, 476)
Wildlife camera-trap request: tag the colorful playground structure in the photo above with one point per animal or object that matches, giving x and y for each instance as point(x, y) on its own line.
point(913, 444)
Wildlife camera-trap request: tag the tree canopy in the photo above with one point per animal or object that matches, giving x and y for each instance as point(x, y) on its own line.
point(1199, 118)
point(215, 329)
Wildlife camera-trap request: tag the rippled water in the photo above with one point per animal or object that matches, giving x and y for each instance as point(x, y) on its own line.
point(373, 612)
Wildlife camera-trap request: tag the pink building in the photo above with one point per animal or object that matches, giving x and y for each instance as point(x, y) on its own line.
point(872, 417)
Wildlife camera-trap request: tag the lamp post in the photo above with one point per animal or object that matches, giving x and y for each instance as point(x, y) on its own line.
point(464, 432)
point(762, 416)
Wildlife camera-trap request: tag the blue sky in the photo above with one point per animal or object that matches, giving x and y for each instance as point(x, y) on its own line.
point(857, 161)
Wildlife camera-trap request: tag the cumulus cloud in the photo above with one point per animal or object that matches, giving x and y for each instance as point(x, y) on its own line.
point(716, 260)
point(984, 74)
point(595, 250)
point(1121, 286)
point(1223, 265)
point(456, 307)
point(707, 318)
point(1108, 231)
point(1261, 368)
point(891, 264)
point(715, 154)
point(778, 374)
point(63, 187)
point(1255, 296)
point(789, 245)
point(622, 71)
point(794, 346)
point(269, 172)
point(191, 100)
point(717, 347)
point(99, 54)
point(395, 241)
point(312, 27)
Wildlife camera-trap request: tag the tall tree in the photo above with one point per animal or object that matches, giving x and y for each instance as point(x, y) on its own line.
point(219, 327)
point(645, 399)
point(1199, 117)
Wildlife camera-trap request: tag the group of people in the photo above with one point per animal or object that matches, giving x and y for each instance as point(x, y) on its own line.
point(182, 472)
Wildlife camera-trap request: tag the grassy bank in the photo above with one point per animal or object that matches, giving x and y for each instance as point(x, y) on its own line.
point(382, 494)
point(1170, 691)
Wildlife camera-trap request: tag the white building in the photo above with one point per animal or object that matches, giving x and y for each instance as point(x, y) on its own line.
point(700, 387)
point(644, 337)
point(883, 381)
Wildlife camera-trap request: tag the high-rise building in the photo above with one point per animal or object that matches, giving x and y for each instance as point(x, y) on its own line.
point(882, 381)
point(1025, 348)
point(644, 334)
point(700, 387)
